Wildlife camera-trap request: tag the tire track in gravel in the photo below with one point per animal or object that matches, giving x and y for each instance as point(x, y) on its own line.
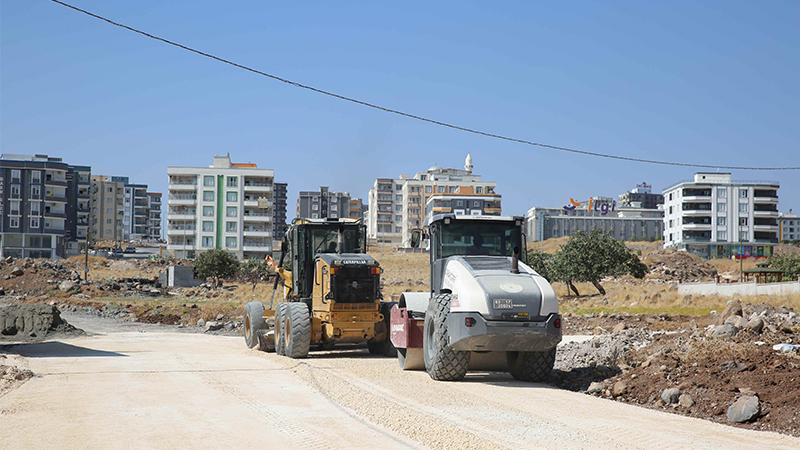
point(493, 411)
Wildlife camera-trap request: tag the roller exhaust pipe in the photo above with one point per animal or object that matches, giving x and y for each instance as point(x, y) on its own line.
point(515, 261)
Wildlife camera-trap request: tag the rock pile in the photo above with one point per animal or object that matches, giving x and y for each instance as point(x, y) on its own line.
point(33, 321)
point(673, 265)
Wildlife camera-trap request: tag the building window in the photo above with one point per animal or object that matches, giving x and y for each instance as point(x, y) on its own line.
point(743, 207)
point(14, 207)
point(15, 191)
point(208, 181)
point(441, 189)
point(744, 235)
point(742, 192)
point(398, 208)
point(398, 198)
point(230, 242)
point(670, 197)
point(476, 204)
point(334, 208)
point(314, 207)
point(108, 210)
point(208, 225)
point(208, 241)
point(233, 181)
point(722, 207)
point(208, 196)
point(108, 221)
point(742, 221)
point(230, 211)
point(36, 176)
point(722, 221)
point(453, 189)
point(232, 196)
point(34, 222)
point(13, 222)
point(230, 226)
point(16, 176)
point(479, 190)
point(428, 189)
point(398, 187)
point(722, 235)
point(35, 208)
point(670, 224)
point(670, 209)
point(35, 191)
point(423, 177)
point(315, 216)
point(722, 192)
point(208, 211)
point(460, 203)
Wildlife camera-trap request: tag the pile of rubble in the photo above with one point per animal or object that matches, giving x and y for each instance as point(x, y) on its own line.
point(33, 321)
point(673, 265)
point(742, 368)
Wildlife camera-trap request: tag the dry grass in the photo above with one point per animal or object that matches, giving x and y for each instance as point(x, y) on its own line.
point(637, 298)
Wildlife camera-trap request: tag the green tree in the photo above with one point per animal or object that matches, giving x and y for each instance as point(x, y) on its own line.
point(789, 263)
point(540, 262)
point(216, 264)
point(591, 256)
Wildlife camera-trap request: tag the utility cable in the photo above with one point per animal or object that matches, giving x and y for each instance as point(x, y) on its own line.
point(412, 116)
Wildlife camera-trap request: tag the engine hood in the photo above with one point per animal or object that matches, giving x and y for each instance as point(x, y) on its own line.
point(486, 285)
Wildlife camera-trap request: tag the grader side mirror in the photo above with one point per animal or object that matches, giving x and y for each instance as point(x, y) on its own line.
point(416, 236)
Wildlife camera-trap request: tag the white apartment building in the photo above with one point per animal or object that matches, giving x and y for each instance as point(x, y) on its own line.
point(789, 227)
point(397, 206)
point(225, 206)
point(715, 217)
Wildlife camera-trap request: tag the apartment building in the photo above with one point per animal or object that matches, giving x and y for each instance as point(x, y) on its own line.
point(44, 210)
point(357, 208)
point(153, 233)
point(789, 227)
point(323, 204)
point(224, 206)
point(107, 208)
point(279, 214)
point(397, 206)
point(641, 197)
point(713, 216)
point(135, 215)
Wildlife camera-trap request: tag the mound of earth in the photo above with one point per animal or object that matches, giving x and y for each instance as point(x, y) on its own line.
point(33, 321)
point(673, 265)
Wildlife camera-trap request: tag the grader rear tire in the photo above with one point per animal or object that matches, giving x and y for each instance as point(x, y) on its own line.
point(297, 330)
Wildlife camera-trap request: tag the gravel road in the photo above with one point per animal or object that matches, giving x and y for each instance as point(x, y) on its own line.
point(145, 386)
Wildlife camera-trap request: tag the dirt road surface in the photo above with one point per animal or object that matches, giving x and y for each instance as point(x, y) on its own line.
point(131, 387)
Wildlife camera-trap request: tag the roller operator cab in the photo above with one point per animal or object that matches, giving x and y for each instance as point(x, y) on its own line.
point(486, 310)
point(331, 293)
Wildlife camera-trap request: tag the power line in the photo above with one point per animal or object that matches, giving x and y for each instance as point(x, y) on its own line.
point(412, 116)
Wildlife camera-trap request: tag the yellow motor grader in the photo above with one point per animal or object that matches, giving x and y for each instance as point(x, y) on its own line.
point(331, 293)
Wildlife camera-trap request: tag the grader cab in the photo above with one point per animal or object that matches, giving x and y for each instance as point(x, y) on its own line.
point(331, 293)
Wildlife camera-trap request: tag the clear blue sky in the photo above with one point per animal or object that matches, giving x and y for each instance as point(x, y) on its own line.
point(711, 83)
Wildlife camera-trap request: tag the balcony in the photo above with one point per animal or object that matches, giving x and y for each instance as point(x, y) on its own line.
point(696, 226)
point(55, 197)
point(690, 194)
point(768, 200)
point(696, 239)
point(182, 184)
point(182, 199)
point(758, 227)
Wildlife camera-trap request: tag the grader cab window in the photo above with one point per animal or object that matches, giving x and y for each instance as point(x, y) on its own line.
point(326, 241)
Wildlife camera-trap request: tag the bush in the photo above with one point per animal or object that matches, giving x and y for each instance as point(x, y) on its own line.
point(216, 264)
point(787, 262)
